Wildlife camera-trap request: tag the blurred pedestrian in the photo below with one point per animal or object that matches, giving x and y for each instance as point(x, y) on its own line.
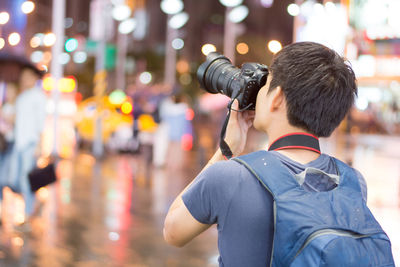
point(7, 119)
point(173, 113)
point(30, 115)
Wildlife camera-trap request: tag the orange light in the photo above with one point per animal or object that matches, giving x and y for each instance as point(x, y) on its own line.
point(242, 48)
point(189, 114)
point(48, 83)
point(182, 66)
point(126, 108)
point(67, 85)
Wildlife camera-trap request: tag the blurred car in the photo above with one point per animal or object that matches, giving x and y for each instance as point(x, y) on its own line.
point(113, 120)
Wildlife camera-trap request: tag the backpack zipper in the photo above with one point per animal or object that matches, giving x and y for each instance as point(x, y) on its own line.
point(322, 232)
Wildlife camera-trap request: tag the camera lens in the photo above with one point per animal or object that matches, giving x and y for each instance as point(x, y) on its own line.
point(217, 75)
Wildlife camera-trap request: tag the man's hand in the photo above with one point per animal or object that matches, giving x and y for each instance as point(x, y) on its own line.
point(238, 126)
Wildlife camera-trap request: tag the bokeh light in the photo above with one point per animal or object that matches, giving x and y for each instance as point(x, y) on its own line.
point(182, 66)
point(293, 10)
point(80, 57)
point(208, 48)
point(71, 45)
point(145, 77)
point(177, 43)
point(49, 39)
point(4, 17)
point(35, 42)
point(2, 43)
point(274, 46)
point(231, 3)
point(126, 107)
point(171, 7)
point(242, 48)
point(37, 56)
point(14, 39)
point(27, 7)
point(121, 12)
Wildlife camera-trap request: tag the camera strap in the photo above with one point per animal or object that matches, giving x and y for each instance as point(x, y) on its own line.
point(296, 140)
point(224, 147)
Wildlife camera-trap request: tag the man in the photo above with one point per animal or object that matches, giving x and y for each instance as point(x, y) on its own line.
point(309, 90)
point(29, 124)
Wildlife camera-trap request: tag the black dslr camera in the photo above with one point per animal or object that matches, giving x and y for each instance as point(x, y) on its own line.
point(218, 75)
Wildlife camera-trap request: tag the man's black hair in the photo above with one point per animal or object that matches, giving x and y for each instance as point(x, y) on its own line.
point(318, 84)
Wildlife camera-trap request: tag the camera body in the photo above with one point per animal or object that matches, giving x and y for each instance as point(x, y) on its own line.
point(218, 75)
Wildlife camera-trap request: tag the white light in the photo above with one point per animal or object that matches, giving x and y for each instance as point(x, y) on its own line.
point(293, 10)
point(80, 57)
point(113, 236)
point(171, 7)
point(127, 26)
point(68, 22)
point(117, 2)
point(37, 56)
point(121, 12)
point(274, 46)
point(231, 3)
point(49, 39)
point(208, 48)
point(266, 3)
point(64, 58)
point(361, 103)
point(177, 43)
point(330, 7)
point(238, 14)
point(145, 77)
point(14, 38)
point(2, 43)
point(4, 17)
point(27, 7)
point(178, 20)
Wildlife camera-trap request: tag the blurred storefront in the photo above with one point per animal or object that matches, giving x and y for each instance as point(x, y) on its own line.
point(367, 33)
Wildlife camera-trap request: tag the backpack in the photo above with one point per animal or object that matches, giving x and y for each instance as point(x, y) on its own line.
point(330, 228)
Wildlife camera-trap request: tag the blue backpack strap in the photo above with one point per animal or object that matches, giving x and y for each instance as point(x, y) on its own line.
point(263, 164)
point(348, 176)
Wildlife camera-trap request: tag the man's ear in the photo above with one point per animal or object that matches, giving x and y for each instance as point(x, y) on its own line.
point(278, 99)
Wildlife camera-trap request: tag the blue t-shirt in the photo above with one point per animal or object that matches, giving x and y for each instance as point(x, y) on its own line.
point(227, 194)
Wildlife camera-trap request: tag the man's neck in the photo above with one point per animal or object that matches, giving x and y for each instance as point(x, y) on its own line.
point(302, 156)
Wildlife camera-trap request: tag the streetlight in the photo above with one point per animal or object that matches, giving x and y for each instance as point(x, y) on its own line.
point(234, 14)
point(176, 20)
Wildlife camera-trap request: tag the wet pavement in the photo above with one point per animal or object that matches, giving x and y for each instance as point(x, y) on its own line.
point(110, 212)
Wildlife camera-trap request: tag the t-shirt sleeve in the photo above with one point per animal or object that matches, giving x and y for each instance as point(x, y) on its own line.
point(208, 198)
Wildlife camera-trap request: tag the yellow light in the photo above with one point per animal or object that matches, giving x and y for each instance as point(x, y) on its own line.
point(14, 38)
point(67, 85)
point(242, 48)
point(17, 241)
point(35, 42)
point(126, 108)
point(48, 83)
point(274, 46)
point(49, 39)
point(27, 7)
point(208, 48)
point(2, 43)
